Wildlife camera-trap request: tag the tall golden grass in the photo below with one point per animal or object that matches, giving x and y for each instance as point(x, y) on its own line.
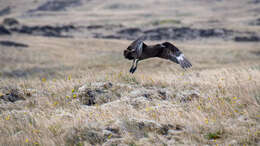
point(215, 103)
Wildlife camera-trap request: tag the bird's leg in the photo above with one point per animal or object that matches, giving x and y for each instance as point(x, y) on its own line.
point(136, 62)
point(134, 66)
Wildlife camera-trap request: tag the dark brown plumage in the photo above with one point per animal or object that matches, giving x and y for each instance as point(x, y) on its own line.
point(138, 50)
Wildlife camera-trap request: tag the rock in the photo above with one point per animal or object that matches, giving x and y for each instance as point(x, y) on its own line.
point(184, 33)
point(93, 137)
point(113, 129)
point(109, 37)
point(169, 33)
point(163, 94)
point(140, 128)
point(123, 6)
point(130, 31)
point(46, 30)
point(149, 94)
point(87, 96)
point(12, 95)
point(87, 135)
point(247, 39)
point(95, 26)
point(12, 44)
point(4, 31)
point(5, 11)
point(171, 129)
point(97, 93)
point(10, 22)
point(110, 134)
point(164, 129)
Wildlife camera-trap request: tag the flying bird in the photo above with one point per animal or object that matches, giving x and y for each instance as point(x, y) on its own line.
point(138, 50)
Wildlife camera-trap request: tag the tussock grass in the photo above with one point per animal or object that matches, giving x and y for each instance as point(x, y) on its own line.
point(216, 102)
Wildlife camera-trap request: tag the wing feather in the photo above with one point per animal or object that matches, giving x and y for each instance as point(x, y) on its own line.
point(139, 49)
point(175, 55)
point(137, 46)
point(183, 61)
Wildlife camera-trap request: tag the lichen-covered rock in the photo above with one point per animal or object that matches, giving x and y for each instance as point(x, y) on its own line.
point(98, 93)
point(92, 134)
point(151, 93)
point(12, 95)
point(77, 136)
point(141, 127)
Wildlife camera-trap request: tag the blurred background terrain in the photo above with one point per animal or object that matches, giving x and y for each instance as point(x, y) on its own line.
point(64, 80)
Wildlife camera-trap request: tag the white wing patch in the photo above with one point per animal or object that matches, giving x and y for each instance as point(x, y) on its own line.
point(139, 49)
point(140, 46)
point(180, 57)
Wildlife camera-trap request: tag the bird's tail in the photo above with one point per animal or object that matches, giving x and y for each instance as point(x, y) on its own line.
point(184, 62)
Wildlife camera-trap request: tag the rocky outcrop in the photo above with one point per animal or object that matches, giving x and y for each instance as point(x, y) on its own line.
point(113, 134)
point(12, 44)
point(4, 31)
point(50, 31)
point(12, 95)
point(5, 11)
point(247, 38)
point(98, 93)
point(10, 22)
point(170, 33)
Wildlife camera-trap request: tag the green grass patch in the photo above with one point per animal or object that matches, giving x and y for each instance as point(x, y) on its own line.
point(215, 135)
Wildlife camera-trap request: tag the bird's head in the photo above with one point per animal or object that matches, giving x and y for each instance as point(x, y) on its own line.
point(129, 53)
point(133, 50)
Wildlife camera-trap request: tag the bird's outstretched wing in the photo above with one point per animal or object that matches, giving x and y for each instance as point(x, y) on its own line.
point(184, 62)
point(137, 46)
point(175, 55)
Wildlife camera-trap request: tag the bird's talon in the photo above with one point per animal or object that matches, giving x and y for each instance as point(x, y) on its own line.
point(131, 70)
point(134, 70)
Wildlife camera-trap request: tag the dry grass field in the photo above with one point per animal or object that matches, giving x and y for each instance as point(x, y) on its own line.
point(78, 90)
